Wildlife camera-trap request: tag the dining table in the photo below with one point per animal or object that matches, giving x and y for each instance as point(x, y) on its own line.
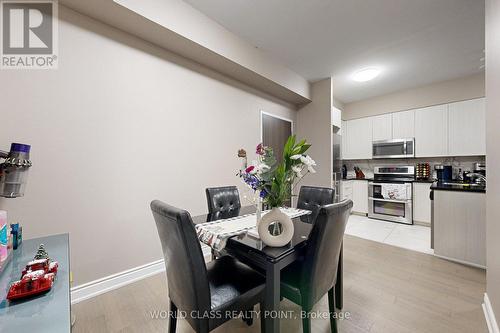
point(268, 260)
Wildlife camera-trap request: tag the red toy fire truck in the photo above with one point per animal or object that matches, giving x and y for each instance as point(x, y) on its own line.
point(36, 278)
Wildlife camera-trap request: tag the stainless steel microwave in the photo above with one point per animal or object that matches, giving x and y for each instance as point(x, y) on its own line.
point(396, 148)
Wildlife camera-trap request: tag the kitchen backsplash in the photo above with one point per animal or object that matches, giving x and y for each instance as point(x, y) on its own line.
point(464, 163)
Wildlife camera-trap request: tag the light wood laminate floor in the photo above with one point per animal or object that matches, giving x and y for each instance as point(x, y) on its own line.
point(387, 289)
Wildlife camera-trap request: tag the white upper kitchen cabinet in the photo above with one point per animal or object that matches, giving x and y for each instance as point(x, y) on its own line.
point(382, 127)
point(336, 117)
point(343, 133)
point(466, 128)
point(403, 124)
point(431, 131)
point(358, 139)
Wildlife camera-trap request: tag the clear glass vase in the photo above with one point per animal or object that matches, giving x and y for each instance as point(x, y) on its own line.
point(258, 208)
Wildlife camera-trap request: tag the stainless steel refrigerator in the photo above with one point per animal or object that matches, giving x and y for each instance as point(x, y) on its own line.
point(337, 164)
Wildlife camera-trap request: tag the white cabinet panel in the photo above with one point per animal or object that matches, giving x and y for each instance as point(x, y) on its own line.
point(346, 189)
point(360, 196)
point(422, 202)
point(403, 124)
point(431, 131)
point(343, 133)
point(382, 127)
point(358, 139)
point(467, 127)
point(460, 226)
point(336, 117)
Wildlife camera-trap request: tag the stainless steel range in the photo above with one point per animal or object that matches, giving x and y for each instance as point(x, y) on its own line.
point(390, 194)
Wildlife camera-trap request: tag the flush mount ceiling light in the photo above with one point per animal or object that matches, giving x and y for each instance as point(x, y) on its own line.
point(366, 74)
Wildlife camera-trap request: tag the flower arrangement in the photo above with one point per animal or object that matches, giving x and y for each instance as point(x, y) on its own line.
point(274, 181)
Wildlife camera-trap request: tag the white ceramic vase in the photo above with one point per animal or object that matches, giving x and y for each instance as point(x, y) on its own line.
point(275, 228)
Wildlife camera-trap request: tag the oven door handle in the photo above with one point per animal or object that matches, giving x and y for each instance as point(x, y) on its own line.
point(380, 184)
point(389, 200)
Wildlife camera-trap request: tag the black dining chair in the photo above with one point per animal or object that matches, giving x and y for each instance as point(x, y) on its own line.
point(223, 199)
point(222, 203)
point(306, 281)
point(209, 293)
point(313, 198)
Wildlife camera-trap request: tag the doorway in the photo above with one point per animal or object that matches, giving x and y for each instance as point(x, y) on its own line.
point(275, 131)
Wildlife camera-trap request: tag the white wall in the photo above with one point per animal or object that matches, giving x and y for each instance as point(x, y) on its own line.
point(121, 123)
point(182, 29)
point(314, 124)
point(433, 94)
point(493, 153)
point(189, 22)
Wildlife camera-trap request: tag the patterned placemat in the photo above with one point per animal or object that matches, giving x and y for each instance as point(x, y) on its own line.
point(216, 233)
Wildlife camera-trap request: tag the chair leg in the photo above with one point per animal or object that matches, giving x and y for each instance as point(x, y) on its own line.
point(339, 286)
point(202, 326)
point(202, 330)
point(331, 307)
point(262, 319)
point(248, 319)
point(172, 323)
point(306, 323)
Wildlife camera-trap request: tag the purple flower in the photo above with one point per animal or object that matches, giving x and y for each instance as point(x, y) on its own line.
point(252, 181)
point(263, 193)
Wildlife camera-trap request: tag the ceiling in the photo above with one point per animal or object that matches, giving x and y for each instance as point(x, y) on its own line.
point(414, 42)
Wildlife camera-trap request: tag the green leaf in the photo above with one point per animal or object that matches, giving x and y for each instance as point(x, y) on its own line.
point(304, 148)
point(290, 142)
point(279, 179)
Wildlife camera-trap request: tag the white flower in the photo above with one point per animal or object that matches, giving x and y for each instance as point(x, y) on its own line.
point(255, 167)
point(297, 169)
point(311, 169)
point(308, 161)
point(259, 168)
point(263, 167)
point(295, 157)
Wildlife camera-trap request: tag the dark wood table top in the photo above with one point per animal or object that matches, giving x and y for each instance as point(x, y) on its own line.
point(302, 229)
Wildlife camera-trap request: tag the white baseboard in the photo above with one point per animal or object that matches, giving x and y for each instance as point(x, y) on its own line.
point(100, 286)
point(467, 263)
point(108, 283)
point(490, 316)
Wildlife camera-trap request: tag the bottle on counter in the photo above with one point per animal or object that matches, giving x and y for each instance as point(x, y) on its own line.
point(423, 171)
point(16, 232)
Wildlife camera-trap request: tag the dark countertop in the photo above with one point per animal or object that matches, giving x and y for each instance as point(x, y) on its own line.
point(371, 179)
point(459, 187)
